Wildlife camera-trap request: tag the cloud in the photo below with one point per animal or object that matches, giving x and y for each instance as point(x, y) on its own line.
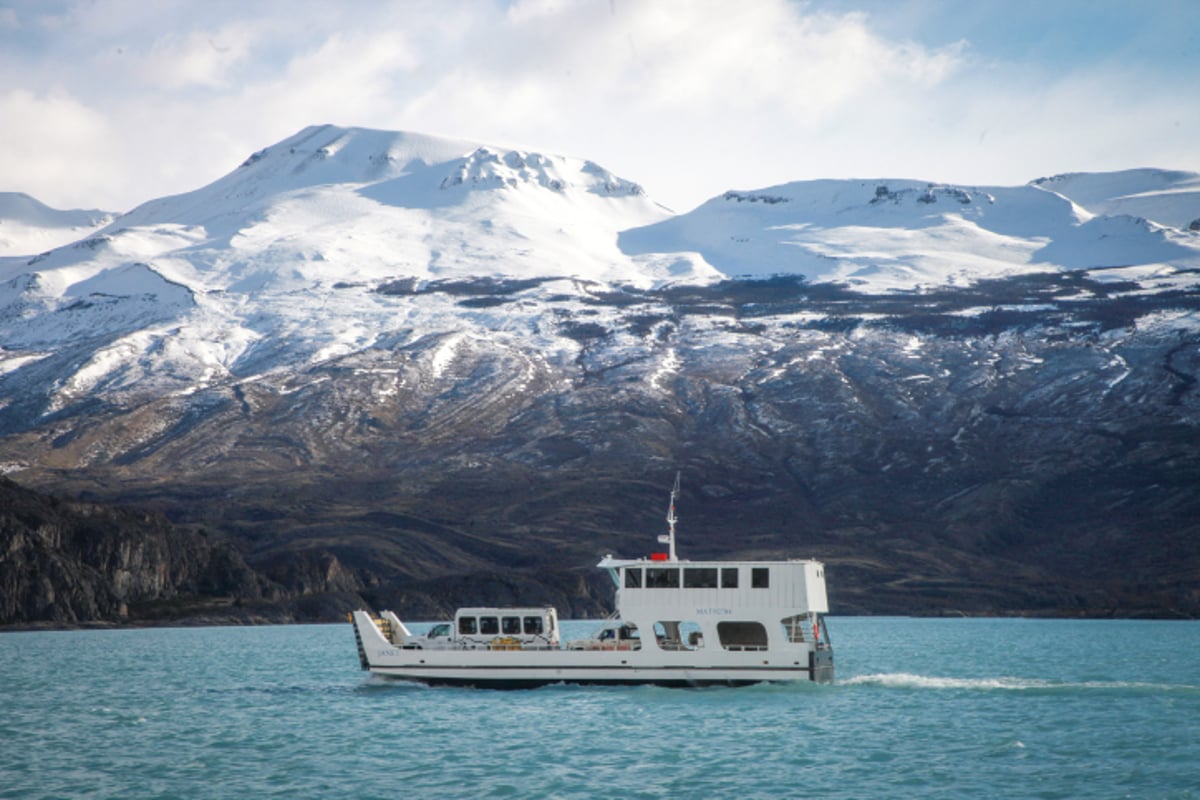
point(698, 58)
point(54, 141)
point(688, 97)
point(195, 59)
point(637, 85)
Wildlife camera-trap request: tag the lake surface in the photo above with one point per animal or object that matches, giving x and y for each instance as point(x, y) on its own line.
point(922, 708)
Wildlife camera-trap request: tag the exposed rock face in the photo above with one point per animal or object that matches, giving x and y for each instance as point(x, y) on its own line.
point(70, 562)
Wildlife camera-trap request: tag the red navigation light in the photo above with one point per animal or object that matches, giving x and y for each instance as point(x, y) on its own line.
point(658, 556)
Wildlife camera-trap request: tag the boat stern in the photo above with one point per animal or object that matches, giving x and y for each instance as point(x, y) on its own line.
point(820, 665)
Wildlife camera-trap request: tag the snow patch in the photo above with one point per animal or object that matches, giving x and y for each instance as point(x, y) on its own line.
point(11, 362)
point(445, 353)
point(668, 366)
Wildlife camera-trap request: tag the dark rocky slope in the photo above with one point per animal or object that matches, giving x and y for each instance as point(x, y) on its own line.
point(1041, 456)
point(73, 562)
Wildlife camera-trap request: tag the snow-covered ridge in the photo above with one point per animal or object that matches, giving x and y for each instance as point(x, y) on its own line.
point(1168, 197)
point(28, 226)
point(300, 254)
point(895, 235)
point(336, 204)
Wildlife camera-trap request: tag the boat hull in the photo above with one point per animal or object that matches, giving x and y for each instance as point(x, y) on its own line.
point(531, 678)
point(512, 669)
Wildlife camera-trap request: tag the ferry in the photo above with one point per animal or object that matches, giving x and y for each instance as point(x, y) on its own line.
point(677, 623)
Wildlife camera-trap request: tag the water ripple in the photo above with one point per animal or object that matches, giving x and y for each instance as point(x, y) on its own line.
point(904, 680)
point(922, 710)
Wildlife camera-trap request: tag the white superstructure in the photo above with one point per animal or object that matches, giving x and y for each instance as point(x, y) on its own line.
point(677, 623)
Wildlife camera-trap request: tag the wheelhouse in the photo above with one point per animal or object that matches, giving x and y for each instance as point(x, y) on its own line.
point(732, 606)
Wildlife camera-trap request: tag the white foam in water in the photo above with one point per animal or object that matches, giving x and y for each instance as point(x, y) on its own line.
point(906, 680)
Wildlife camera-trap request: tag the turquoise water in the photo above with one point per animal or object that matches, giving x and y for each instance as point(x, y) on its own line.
point(922, 709)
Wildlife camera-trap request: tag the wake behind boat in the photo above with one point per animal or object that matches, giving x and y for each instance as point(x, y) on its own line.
point(677, 623)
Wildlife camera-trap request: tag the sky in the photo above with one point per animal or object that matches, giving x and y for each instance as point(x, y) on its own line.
point(110, 103)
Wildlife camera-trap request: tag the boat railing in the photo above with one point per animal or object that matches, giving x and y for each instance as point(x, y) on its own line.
point(382, 624)
point(502, 643)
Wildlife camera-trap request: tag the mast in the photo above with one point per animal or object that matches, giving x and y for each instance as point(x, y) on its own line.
point(672, 519)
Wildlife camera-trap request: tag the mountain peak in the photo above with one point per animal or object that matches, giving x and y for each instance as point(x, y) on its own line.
point(486, 167)
point(394, 168)
point(356, 153)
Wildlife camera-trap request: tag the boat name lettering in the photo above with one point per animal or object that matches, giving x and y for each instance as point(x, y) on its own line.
point(714, 612)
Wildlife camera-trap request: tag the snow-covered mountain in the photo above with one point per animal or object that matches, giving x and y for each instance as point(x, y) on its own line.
point(316, 247)
point(332, 205)
point(417, 357)
point(899, 235)
point(28, 226)
point(279, 263)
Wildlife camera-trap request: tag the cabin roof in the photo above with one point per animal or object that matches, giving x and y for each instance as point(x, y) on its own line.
point(609, 562)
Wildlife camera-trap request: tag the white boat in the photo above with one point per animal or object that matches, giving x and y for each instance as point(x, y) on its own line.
point(677, 623)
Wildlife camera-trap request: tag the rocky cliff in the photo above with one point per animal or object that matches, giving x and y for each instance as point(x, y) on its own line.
point(72, 562)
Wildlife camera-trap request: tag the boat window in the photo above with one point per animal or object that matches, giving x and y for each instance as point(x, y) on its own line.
point(760, 578)
point(793, 629)
point(633, 577)
point(700, 578)
point(439, 630)
point(489, 625)
point(622, 637)
point(510, 625)
point(466, 625)
point(729, 577)
point(662, 577)
point(742, 635)
point(678, 635)
point(533, 625)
